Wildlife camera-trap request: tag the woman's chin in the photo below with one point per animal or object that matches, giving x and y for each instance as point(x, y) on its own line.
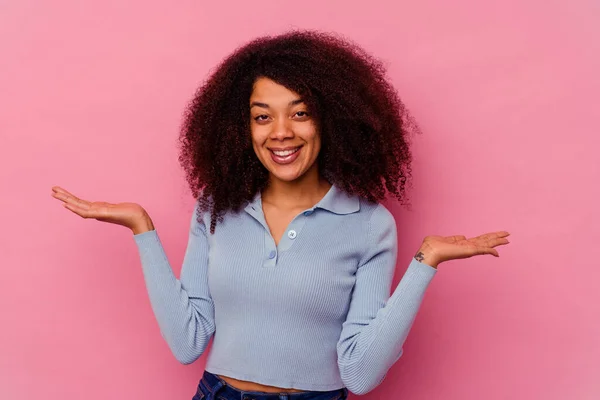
point(285, 176)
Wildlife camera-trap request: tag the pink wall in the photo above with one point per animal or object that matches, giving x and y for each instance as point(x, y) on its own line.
point(91, 98)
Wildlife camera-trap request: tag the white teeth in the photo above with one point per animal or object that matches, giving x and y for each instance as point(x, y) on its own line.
point(285, 153)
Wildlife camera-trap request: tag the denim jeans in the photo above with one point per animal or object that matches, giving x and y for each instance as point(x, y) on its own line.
point(212, 387)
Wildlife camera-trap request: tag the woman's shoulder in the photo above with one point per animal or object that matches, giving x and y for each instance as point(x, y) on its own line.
point(375, 212)
point(200, 214)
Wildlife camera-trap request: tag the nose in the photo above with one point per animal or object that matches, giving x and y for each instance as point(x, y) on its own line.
point(282, 129)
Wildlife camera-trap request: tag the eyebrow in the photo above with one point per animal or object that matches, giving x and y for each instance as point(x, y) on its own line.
point(265, 105)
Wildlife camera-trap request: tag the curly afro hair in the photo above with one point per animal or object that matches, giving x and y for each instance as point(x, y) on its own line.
point(361, 120)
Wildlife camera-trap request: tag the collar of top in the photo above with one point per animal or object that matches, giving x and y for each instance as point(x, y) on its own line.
point(335, 200)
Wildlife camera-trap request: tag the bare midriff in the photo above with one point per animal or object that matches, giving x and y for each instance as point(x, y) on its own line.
point(255, 387)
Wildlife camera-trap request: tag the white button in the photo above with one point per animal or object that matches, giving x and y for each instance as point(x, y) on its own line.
point(292, 234)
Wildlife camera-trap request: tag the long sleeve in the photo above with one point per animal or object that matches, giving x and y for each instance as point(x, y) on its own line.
point(183, 307)
point(377, 324)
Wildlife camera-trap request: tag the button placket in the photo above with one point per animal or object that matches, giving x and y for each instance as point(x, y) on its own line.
point(292, 233)
point(270, 251)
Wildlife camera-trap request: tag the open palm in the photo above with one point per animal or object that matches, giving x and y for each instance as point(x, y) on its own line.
point(126, 214)
point(454, 247)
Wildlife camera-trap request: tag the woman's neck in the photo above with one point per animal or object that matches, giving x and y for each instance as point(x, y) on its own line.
point(303, 193)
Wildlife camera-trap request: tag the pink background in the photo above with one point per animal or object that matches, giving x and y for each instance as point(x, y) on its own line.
point(91, 98)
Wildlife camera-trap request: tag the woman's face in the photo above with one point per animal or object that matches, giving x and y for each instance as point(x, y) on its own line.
point(284, 136)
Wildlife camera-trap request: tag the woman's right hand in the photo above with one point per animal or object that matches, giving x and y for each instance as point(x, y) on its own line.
point(130, 215)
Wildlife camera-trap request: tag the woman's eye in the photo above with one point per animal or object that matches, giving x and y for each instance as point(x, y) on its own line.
point(302, 114)
point(260, 118)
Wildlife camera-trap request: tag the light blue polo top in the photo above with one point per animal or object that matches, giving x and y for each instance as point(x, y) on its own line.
point(313, 313)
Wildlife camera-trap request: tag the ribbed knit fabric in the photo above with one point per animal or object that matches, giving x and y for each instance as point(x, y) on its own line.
point(313, 313)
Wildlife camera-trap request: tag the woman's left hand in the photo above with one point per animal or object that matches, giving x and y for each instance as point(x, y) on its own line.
point(437, 249)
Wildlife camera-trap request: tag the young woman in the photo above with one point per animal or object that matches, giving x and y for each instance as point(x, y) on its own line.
point(288, 149)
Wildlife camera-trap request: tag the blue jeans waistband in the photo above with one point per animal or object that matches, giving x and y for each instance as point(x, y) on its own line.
point(213, 388)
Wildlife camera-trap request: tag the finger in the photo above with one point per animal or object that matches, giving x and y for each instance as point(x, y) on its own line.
point(60, 196)
point(501, 234)
point(492, 242)
point(487, 250)
point(500, 242)
point(492, 235)
point(496, 242)
point(93, 210)
point(488, 238)
point(81, 203)
point(78, 202)
point(69, 198)
point(61, 191)
point(77, 210)
point(58, 189)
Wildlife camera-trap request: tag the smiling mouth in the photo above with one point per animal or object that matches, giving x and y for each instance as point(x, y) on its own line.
point(285, 153)
point(286, 156)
